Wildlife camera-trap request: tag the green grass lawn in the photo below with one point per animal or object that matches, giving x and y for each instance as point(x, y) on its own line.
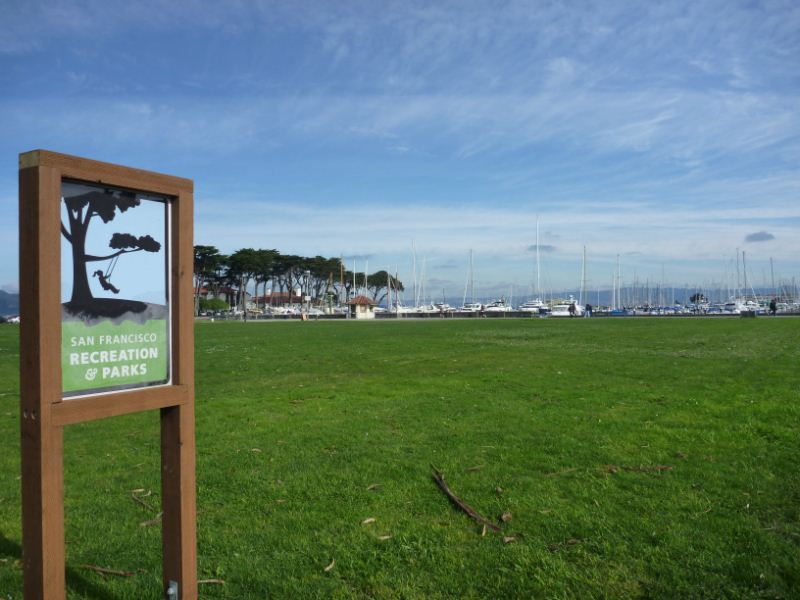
point(636, 457)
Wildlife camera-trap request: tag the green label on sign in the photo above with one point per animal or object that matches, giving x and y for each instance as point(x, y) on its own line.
point(106, 356)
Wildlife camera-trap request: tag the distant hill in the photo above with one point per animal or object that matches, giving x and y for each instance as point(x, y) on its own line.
point(9, 304)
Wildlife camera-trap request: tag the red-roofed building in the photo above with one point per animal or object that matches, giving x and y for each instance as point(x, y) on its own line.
point(362, 307)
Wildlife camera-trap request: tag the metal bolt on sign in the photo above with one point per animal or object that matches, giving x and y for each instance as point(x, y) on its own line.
point(172, 591)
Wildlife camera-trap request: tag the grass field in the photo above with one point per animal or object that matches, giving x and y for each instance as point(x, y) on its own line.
point(637, 458)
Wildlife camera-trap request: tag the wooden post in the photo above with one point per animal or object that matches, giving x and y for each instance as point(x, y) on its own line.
point(178, 487)
point(45, 412)
point(40, 386)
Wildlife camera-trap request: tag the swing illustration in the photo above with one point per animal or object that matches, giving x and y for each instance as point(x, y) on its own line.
point(105, 278)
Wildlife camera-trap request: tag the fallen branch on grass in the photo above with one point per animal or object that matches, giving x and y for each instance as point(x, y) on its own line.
point(554, 473)
point(141, 502)
point(562, 545)
point(649, 468)
point(211, 581)
point(151, 522)
point(637, 469)
point(473, 514)
point(104, 571)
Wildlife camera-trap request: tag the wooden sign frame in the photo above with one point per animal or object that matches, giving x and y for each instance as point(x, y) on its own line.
point(44, 411)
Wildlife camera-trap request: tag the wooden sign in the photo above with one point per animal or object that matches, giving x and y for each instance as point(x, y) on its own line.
point(106, 329)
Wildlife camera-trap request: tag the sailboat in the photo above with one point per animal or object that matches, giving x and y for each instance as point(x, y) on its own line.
point(571, 308)
point(536, 306)
point(469, 289)
point(739, 304)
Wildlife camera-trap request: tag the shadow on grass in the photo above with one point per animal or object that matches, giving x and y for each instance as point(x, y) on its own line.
point(76, 582)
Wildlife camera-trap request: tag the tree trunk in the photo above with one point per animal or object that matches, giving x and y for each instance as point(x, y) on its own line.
point(81, 292)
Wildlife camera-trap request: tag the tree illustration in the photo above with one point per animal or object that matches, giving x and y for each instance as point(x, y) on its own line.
point(81, 209)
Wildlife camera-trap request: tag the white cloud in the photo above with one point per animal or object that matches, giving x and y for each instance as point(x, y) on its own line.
point(653, 235)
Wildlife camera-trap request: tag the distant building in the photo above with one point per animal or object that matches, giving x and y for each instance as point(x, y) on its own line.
point(362, 307)
point(278, 299)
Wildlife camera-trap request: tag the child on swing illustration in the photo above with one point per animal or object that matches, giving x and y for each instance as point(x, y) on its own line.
point(105, 278)
point(107, 285)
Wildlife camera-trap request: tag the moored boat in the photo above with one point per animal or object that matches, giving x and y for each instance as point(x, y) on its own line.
point(471, 307)
point(569, 308)
point(534, 306)
point(497, 306)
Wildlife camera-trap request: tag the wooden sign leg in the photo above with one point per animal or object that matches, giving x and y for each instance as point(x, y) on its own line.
point(42, 508)
point(179, 530)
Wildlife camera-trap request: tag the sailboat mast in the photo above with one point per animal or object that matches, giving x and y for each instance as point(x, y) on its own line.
point(772, 274)
point(414, 270)
point(613, 290)
point(466, 288)
point(471, 278)
point(583, 278)
point(738, 275)
point(341, 277)
point(423, 277)
point(744, 269)
point(396, 292)
point(538, 266)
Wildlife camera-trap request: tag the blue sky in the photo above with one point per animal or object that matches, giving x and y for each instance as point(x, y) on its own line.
point(667, 133)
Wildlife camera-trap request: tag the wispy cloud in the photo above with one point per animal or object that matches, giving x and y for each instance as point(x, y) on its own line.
point(496, 232)
point(547, 248)
point(759, 236)
point(668, 133)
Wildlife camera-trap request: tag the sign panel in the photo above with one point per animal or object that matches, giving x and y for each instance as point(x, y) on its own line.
point(115, 294)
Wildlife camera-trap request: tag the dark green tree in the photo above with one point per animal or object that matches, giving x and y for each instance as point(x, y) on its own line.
point(265, 268)
point(380, 283)
point(242, 267)
point(207, 260)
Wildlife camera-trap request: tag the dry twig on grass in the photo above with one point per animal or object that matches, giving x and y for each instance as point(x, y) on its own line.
point(565, 471)
point(649, 468)
point(151, 522)
point(637, 469)
point(473, 514)
point(141, 502)
point(562, 545)
point(104, 571)
point(211, 581)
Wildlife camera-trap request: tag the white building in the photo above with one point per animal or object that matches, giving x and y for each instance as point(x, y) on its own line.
point(362, 307)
